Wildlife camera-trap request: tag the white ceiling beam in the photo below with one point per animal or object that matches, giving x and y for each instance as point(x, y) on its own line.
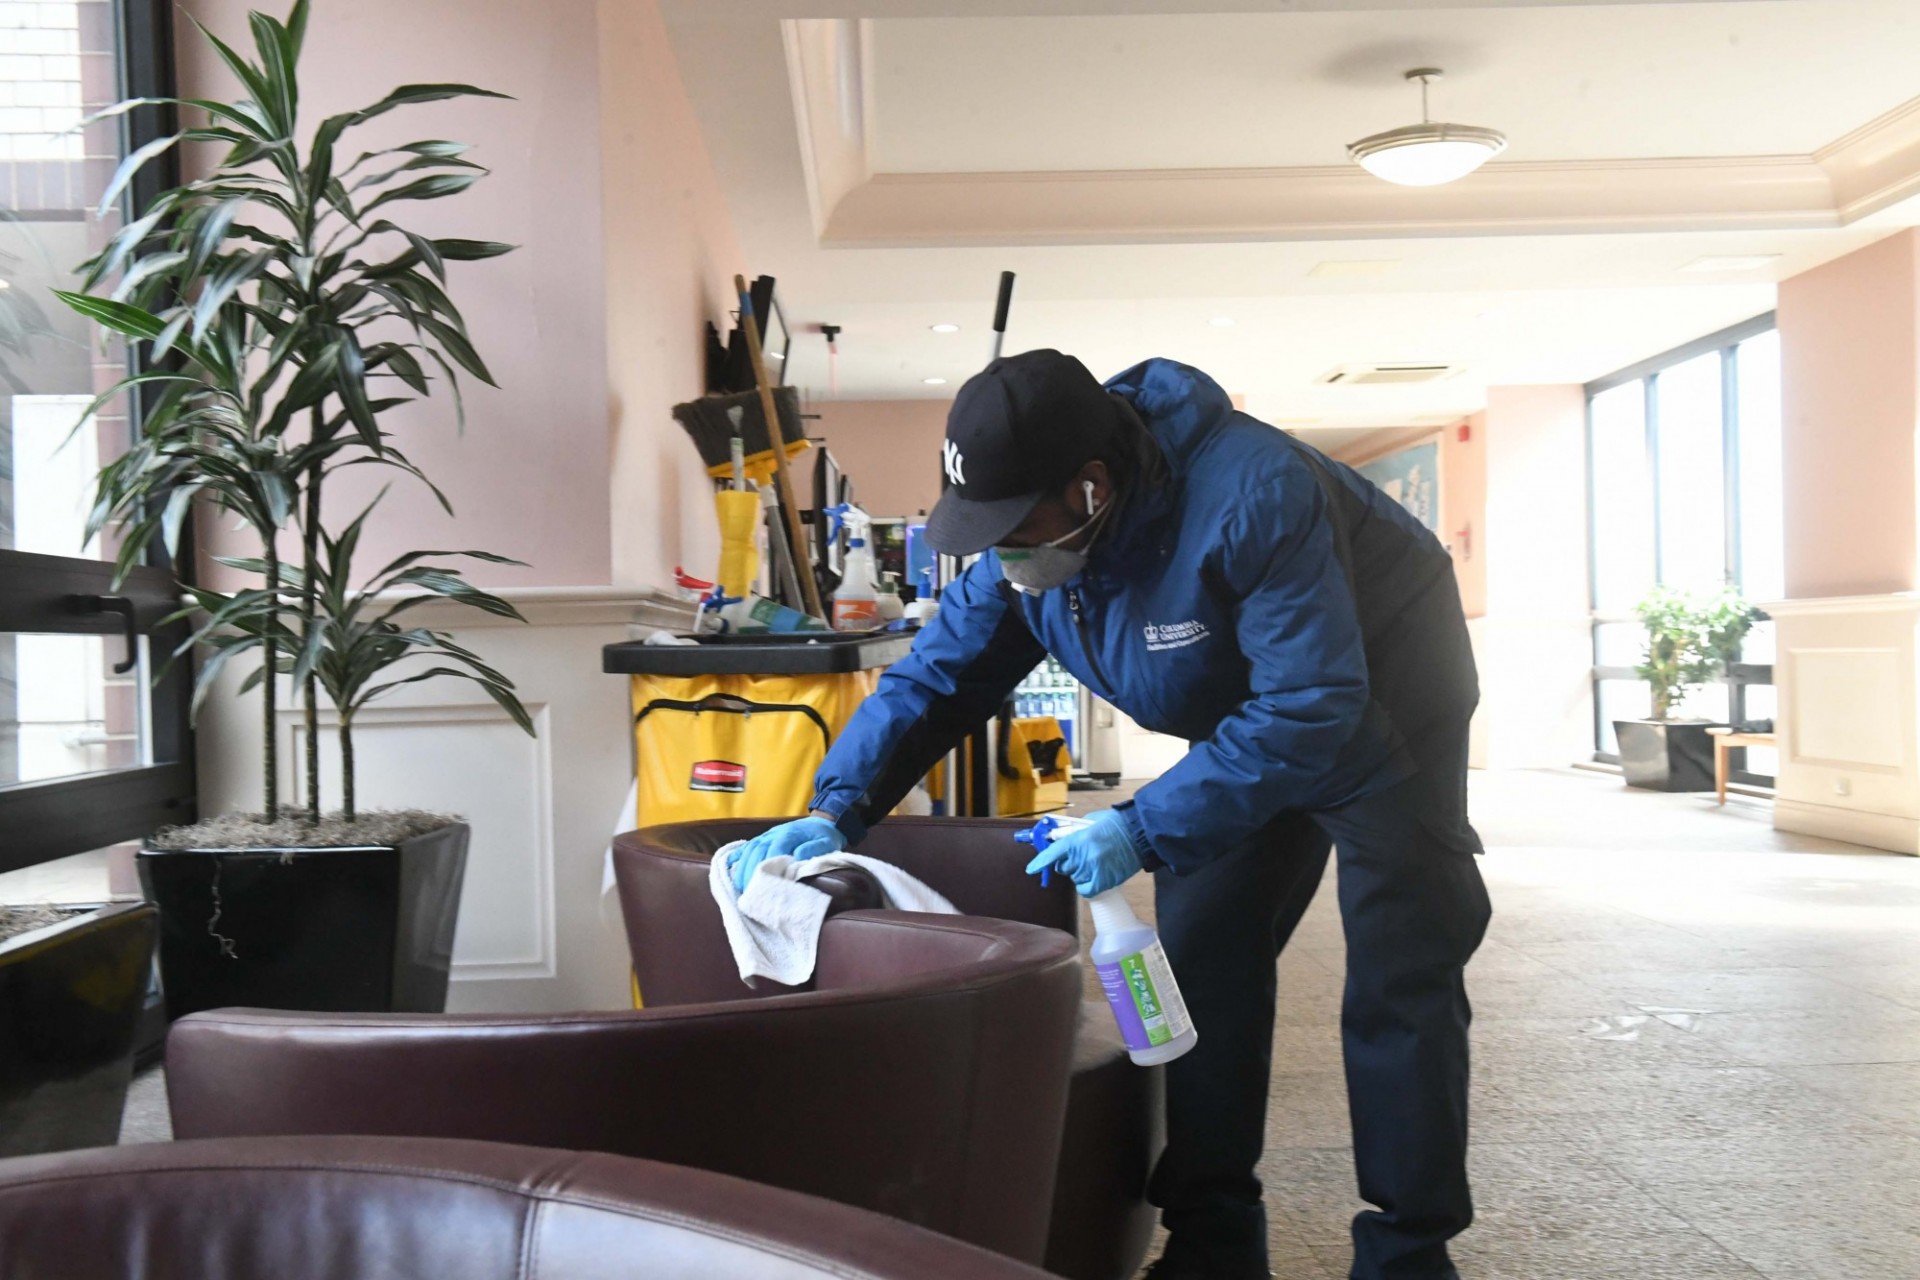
point(1345, 203)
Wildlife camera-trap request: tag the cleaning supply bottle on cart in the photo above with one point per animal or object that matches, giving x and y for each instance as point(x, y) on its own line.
point(856, 604)
point(1133, 969)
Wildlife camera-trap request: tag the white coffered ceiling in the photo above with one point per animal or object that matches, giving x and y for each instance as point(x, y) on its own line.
point(1147, 168)
point(1288, 89)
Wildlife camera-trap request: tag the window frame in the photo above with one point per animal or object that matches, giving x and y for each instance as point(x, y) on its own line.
point(1740, 676)
point(56, 818)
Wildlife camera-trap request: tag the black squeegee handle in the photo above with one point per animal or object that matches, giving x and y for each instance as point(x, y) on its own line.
point(1000, 309)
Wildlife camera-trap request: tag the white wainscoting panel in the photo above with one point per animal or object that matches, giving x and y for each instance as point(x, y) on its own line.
point(1849, 719)
point(532, 936)
point(473, 760)
point(1842, 713)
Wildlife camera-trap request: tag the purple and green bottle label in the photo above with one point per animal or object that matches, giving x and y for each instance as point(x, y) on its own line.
point(1145, 1000)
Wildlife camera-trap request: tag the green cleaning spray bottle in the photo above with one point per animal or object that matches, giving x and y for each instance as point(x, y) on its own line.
point(1132, 967)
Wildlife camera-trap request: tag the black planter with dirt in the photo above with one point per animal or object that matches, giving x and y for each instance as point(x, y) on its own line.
point(72, 992)
point(1666, 755)
point(349, 928)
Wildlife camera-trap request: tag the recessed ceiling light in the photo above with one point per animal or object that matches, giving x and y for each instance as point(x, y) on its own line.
point(1732, 262)
point(944, 328)
point(1221, 322)
point(1355, 267)
point(935, 382)
point(6, 284)
point(1427, 154)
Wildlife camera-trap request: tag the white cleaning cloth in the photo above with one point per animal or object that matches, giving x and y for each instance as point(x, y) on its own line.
point(774, 926)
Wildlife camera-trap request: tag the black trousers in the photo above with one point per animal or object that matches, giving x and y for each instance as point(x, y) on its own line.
point(1414, 909)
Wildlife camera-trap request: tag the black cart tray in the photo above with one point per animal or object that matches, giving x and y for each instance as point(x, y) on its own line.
point(805, 654)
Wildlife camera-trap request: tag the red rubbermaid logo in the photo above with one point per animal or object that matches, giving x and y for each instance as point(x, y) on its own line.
point(719, 775)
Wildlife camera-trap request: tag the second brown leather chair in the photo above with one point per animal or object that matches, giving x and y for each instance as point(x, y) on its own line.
point(327, 1208)
point(925, 1078)
point(1102, 1223)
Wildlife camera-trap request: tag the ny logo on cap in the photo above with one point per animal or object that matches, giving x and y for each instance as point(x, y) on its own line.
point(954, 463)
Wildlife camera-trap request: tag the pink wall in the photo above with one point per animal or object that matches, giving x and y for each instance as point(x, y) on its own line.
point(592, 327)
point(1463, 493)
point(890, 448)
point(1850, 390)
point(670, 258)
point(1535, 543)
point(1534, 643)
point(1463, 508)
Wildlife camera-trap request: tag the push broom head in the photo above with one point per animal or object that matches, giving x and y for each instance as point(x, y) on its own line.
point(710, 420)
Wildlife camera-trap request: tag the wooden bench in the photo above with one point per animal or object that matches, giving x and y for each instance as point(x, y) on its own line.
point(1725, 741)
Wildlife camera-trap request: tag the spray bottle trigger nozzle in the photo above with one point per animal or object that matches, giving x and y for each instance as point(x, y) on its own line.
point(1040, 836)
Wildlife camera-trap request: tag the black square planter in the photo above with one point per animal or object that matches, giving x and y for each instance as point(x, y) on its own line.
point(359, 929)
point(71, 999)
point(1666, 755)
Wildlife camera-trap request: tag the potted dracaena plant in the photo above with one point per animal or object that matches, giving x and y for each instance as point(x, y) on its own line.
point(283, 314)
point(1691, 639)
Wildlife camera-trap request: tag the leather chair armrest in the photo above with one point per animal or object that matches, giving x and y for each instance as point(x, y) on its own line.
point(832, 1092)
point(974, 862)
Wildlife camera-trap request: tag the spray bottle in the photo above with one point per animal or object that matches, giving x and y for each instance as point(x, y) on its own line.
point(751, 615)
point(888, 601)
point(1133, 969)
point(855, 603)
point(924, 606)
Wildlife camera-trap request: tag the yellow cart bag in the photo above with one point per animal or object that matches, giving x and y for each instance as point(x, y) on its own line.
point(736, 727)
point(736, 746)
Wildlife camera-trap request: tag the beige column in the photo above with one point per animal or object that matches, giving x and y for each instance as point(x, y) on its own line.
point(1533, 643)
point(1849, 635)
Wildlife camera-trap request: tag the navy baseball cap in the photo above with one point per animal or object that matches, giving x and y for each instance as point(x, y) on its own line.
point(1018, 430)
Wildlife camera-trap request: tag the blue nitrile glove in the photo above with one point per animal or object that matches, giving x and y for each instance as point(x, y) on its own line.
point(1096, 857)
point(802, 838)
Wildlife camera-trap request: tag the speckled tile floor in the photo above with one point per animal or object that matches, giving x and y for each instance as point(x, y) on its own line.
point(1697, 1050)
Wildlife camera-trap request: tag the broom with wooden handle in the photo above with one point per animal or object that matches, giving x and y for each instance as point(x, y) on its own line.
point(782, 480)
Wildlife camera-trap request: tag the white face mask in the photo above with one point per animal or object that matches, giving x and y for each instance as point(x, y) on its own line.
point(1049, 565)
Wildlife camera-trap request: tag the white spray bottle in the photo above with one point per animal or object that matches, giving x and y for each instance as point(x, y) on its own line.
point(1133, 969)
point(856, 604)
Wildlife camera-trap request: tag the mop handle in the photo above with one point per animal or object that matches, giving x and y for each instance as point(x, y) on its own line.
point(1000, 309)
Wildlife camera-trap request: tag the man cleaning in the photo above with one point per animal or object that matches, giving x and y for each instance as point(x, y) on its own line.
point(1219, 581)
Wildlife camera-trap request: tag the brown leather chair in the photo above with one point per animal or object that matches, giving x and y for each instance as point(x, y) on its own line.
point(925, 1078)
point(358, 1207)
point(1102, 1223)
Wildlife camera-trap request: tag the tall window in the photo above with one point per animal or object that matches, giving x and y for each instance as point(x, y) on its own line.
point(1684, 490)
point(90, 753)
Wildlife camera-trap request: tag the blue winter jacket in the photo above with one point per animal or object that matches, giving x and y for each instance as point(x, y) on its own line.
point(1238, 602)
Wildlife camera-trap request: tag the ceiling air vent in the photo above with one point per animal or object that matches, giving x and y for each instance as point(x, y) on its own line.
point(1373, 375)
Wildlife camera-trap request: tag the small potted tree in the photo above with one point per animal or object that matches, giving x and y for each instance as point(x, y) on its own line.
point(1690, 640)
point(282, 313)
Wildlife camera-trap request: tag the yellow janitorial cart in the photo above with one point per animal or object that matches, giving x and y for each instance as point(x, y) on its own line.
point(736, 726)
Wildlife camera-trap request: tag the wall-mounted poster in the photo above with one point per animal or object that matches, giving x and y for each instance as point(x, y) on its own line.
point(1411, 478)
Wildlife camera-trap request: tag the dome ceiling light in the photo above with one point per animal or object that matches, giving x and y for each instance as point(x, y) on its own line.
point(1427, 154)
